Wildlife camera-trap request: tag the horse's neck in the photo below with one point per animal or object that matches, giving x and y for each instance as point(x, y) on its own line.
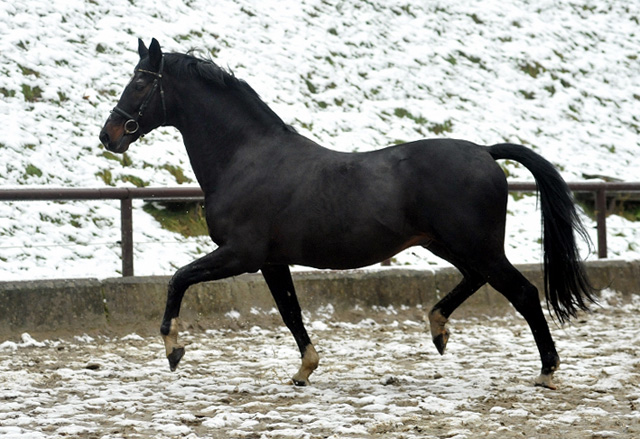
point(209, 157)
point(215, 150)
point(212, 136)
point(219, 128)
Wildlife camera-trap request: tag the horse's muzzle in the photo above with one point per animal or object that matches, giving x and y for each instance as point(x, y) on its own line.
point(117, 144)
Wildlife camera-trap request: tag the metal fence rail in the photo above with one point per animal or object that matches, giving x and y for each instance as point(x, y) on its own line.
point(126, 195)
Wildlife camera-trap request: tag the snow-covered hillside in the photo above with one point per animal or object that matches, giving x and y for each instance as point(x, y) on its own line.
point(561, 77)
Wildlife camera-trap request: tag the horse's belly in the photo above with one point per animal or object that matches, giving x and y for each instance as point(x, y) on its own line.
point(346, 252)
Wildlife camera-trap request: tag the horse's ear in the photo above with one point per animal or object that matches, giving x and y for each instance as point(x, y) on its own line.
point(142, 49)
point(155, 53)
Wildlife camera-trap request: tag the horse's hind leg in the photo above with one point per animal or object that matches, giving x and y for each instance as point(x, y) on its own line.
point(439, 315)
point(524, 297)
point(279, 280)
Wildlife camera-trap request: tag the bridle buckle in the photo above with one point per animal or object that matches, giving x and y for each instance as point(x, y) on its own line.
point(131, 126)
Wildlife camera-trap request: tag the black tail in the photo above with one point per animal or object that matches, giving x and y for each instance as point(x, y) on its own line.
point(566, 285)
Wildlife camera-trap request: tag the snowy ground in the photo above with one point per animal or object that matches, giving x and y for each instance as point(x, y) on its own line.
point(379, 376)
point(558, 76)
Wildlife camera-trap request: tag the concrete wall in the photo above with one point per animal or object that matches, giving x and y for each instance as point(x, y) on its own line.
point(137, 303)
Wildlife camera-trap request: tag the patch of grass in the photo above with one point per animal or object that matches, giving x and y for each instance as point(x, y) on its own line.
point(305, 125)
point(110, 156)
point(186, 218)
point(124, 159)
point(476, 19)
point(177, 172)
point(451, 60)
point(187, 37)
point(26, 71)
point(31, 94)
point(532, 69)
point(136, 181)
point(529, 95)
point(76, 220)
point(32, 171)
point(435, 128)
point(248, 12)
point(106, 177)
point(49, 219)
point(520, 195)
point(473, 59)
point(401, 113)
point(312, 88)
point(573, 113)
point(439, 128)
point(7, 93)
point(108, 93)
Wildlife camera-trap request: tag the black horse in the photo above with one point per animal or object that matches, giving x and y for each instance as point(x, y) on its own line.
point(275, 198)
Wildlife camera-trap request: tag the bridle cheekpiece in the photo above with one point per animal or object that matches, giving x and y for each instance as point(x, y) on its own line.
point(131, 126)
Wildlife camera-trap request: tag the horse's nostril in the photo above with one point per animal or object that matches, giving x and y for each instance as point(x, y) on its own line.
point(104, 138)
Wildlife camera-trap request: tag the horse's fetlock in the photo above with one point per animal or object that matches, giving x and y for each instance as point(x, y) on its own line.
point(165, 328)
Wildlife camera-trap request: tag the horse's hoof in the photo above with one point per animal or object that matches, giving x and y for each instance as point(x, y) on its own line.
point(545, 380)
point(440, 341)
point(174, 358)
point(300, 383)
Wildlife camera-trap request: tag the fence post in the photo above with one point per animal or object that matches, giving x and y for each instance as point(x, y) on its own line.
point(601, 221)
point(126, 240)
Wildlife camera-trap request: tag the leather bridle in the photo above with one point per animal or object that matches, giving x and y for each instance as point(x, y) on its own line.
point(131, 125)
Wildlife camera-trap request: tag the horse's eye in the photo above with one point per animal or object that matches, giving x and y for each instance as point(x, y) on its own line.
point(139, 86)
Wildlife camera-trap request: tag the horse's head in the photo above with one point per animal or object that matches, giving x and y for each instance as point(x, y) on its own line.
point(141, 107)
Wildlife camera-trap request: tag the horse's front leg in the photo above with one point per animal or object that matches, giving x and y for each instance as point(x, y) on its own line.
point(219, 264)
point(279, 280)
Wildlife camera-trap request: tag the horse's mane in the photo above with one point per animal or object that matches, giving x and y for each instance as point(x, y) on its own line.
point(189, 66)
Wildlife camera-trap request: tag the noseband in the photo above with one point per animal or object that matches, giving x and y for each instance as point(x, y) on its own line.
point(131, 125)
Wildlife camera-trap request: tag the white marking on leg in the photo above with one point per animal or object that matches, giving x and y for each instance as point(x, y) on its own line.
point(437, 324)
point(171, 339)
point(310, 361)
point(545, 380)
